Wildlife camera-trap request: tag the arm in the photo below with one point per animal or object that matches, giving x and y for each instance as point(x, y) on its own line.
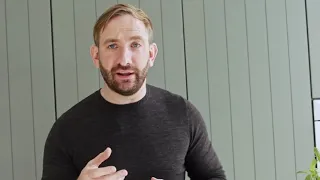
point(202, 162)
point(56, 162)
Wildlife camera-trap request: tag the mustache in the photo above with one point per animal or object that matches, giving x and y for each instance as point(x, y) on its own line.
point(120, 67)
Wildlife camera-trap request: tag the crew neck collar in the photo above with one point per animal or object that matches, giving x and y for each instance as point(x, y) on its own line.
point(137, 103)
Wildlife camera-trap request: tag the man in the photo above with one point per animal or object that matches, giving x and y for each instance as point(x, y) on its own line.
point(151, 132)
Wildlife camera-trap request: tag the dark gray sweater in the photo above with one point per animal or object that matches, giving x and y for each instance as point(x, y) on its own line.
point(163, 135)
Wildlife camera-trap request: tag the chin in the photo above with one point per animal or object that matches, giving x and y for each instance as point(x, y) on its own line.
point(126, 86)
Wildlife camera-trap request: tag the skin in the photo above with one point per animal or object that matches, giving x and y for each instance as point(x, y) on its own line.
point(92, 171)
point(124, 47)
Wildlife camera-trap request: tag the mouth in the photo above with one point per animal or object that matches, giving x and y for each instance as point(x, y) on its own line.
point(124, 74)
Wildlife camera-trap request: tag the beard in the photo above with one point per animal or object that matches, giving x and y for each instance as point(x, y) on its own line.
point(124, 87)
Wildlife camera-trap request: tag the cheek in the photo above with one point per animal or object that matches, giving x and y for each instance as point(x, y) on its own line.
point(140, 57)
point(106, 60)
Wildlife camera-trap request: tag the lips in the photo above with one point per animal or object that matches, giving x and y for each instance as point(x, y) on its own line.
point(124, 74)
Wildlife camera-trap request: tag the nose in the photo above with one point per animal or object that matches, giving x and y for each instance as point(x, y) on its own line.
point(125, 57)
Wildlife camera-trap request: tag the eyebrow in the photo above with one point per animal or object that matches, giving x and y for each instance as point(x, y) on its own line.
point(136, 38)
point(108, 40)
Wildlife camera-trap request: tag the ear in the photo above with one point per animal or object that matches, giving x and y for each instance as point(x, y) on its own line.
point(94, 52)
point(153, 51)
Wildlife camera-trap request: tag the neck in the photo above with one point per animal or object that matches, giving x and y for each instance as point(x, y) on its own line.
point(116, 98)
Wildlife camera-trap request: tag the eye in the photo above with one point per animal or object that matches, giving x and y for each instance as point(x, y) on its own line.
point(135, 45)
point(112, 46)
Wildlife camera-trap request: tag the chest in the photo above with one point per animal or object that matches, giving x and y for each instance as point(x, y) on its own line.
point(145, 150)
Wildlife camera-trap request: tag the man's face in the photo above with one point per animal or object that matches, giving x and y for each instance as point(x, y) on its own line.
point(124, 54)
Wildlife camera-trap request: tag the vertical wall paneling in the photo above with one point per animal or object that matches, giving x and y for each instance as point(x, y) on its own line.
point(84, 19)
point(244, 64)
point(135, 3)
point(101, 6)
point(216, 43)
point(42, 75)
point(173, 47)
point(156, 74)
point(6, 169)
point(240, 93)
point(280, 89)
point(65, 60)
point(313, 13)
point(300, 82)
point(260, 89)
point(20, 85)
point(196, 57)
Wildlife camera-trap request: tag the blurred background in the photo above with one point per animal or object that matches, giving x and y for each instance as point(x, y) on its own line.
point(250, 66)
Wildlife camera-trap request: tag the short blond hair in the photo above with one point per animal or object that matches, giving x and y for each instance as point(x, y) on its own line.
point(119, 10)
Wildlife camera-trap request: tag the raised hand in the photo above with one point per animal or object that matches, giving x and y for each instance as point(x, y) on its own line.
point(153, 178)
point(92, 171)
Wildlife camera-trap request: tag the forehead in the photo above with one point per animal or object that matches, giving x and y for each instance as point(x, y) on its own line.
point(123, 27)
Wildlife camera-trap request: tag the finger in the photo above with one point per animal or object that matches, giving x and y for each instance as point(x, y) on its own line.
point(117, 175)
point(95, 162)
point(153, 178)
point(96, 173)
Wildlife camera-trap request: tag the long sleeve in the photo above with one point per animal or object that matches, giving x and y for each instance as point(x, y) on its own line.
point(202, 162)
point(56, 162)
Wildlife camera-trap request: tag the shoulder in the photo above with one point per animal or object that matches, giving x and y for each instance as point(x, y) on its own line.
point(166, 96)
point(173, 101)
point(81, 108)
point(66, 124)
point(180, 108)
point(78, 112)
